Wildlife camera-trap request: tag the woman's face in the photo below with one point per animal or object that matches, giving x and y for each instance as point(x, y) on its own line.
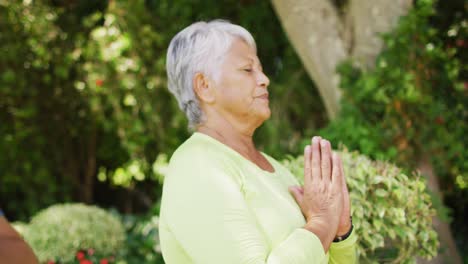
point(241, 89)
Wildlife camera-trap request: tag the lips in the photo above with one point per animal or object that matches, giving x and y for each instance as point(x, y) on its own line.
point(263, 96)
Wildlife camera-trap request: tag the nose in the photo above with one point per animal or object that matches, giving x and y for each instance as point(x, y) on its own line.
point(263, 80)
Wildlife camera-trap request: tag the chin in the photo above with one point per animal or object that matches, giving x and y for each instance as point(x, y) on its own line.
point(266, 114)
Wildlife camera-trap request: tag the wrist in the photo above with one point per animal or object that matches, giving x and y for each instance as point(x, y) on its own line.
point(344, 232)
point(343, 229)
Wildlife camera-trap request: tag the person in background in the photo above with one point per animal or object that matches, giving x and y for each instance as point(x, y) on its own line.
point(13, 249)
point(223, 200)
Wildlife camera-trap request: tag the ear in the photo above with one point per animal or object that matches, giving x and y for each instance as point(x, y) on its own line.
point(203, 88)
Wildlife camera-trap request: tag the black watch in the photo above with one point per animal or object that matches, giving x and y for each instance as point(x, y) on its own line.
point(345, 236)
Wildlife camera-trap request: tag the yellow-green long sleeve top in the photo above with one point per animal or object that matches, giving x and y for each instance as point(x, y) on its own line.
point(219, 207)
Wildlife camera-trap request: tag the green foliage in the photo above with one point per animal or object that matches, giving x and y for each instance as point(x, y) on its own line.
point(142, 242)
point(412, 98)
point(125, 72)
point(60, 231)
point(125, 79)
point(392, 212)
point(83, 94)
point(27, 48)
point(413, 102)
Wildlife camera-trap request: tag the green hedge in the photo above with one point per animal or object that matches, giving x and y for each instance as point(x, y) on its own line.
point(392, 212)
point(60, 231)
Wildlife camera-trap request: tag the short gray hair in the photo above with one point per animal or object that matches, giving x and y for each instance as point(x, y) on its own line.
point(199, 48)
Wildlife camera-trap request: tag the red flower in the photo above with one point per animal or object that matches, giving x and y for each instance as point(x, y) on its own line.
point(80, 255)
point(50, 262)
point(460, 42)
point(99, 82)
point(90, 251)
point(103, 261)
point(86, 261)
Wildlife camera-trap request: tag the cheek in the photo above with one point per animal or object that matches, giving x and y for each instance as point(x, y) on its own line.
point(238, 89)
point(238, 97)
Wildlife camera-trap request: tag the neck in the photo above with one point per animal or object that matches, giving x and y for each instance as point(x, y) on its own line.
point(238, 137)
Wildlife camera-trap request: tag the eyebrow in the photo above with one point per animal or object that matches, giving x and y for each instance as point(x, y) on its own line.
point(252, 61)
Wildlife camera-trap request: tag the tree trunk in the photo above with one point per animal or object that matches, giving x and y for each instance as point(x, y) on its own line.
point(323, 36)
point(90, 167)
point(313, 27)
point(448, 248)
point(365, 20)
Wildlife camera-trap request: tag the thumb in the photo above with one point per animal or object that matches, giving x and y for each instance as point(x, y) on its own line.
point(296, 193)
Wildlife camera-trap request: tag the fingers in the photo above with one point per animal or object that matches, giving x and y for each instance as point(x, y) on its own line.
point(301, 190)
point(296, 193)
point(307, 166)
point(316, 162)
point(325, 151)
point(337, 175)
point(343, 179)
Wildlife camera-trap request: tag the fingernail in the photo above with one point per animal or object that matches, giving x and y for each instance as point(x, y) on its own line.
point(315, 139)
point(307, 149)
point(323, 143)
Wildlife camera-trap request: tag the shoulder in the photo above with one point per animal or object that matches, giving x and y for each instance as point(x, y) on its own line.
point(203, 156)
point(199, 150)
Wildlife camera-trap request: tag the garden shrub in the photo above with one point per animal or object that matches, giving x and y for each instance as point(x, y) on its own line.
point(60, 231)
point(142, 241)
point(392, 212)
point(20, 227)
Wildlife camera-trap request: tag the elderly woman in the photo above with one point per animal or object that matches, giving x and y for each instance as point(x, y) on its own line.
point(223, 200)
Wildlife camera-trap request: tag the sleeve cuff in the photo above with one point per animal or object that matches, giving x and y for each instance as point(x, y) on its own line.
point(310, 239)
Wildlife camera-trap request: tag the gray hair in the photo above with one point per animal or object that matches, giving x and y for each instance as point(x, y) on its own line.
point(199, 48)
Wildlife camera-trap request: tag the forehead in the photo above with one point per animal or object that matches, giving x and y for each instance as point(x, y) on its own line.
point(241, 51)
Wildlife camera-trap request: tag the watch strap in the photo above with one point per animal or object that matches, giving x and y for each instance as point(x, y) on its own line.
point(345, 236)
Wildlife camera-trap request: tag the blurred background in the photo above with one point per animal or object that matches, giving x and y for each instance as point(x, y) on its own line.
point(86, 117)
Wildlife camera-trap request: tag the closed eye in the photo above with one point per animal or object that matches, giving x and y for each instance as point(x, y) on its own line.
point(248, 70)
